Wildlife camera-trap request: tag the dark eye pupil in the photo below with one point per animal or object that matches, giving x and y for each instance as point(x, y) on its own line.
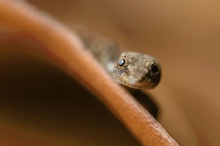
point(154, 68)
point(121, 62)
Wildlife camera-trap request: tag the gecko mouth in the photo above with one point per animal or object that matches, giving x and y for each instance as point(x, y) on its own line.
point(134, 82)
point(136, 86)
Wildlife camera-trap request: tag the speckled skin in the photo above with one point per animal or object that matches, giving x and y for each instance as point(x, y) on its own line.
point(136, 71)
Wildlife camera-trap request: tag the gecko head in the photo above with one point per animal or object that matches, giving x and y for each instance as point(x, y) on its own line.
point(137, 70)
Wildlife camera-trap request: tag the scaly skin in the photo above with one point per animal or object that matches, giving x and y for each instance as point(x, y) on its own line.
point(139, 71)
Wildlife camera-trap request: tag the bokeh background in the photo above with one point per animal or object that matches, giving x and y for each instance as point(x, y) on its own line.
point(41, 105)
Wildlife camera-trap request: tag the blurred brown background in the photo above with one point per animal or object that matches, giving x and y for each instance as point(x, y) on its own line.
point(182, 35)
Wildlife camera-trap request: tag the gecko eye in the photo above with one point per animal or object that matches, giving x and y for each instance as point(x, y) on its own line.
point(121, 62)
point(154, 68)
